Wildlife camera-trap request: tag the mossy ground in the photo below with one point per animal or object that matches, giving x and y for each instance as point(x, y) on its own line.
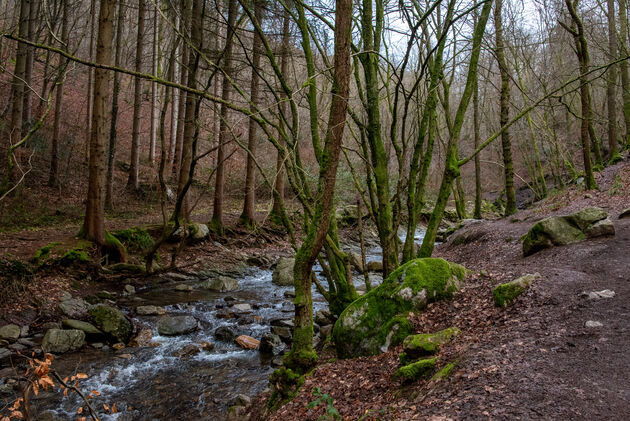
point(428, 343)
point(135, 239)
point(415, 370)
point(505, 294)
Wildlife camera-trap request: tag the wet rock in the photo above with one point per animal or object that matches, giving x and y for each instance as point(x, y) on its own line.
point(59, 341)
point(324, 317)
point(376, 321)
point(150, 311)
point(375, 266)
point(282, 322)
point(277, 361)
point(285, 333)
point(27, 342)
point(176, 325)
point(51, 325)
point(225, 334)
point(10, 332)
point(89, 329)
point(184, 288)
point(198, 231)
point(261, 261)
point(49, 416)
point(289, 294)
point(356, 262)
point(143, 338)
point(593, 324)
point(242, 400)
point(505, 294)
point(562, 230)
point(207, 346)
point(283, 273)
point(119, 346)
point(112, 322)
point(624, 214)
point(24, 331)
point(271, 344)
point(596, 295)
point(130, 289)
point(4, 353)
point(106, 295)
point(97, 345)
point(242, 307)
point(247, 342)
point(17, 347)
point(124, 356)
point(220, 284)
point(75, 308)
point(187, 351)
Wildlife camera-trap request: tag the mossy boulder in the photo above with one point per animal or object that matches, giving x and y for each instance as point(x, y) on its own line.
point(283, 273)
point(220, 284)
point(415, 370)
point(60, 341)
point(444, 372)
point(135, 239)
point(425, 344)
point(112, 322)
point(198, 232)
point(505, 294)
point(563, 230)
point(377, 320)
point(88, 328)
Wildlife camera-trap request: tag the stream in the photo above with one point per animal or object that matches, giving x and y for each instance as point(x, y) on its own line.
point(149, 383)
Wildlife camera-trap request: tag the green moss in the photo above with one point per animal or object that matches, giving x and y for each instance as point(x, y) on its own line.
point(285, 384)
point(444, 372)
point(126, 267)
point(505, 294)
point(43, 253)
point(74, 255)
point(428, 343)
point(415, 370)
point(135, 239)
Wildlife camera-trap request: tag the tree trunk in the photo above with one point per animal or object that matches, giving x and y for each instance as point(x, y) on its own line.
point(611, 82)
point(30, 59)
point(134, 181)
point(504, 117)
point(623, 67)
point(94, 223)
point(90, 83)
point(478, 189)
point(154, 93)
point(53, 176)
point(111, 155)
point(224, 130)
point(248, 215)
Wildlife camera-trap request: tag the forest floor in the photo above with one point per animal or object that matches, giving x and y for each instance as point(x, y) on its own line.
point(535, 359)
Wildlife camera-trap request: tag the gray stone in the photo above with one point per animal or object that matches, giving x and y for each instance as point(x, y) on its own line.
point(356, 261)
point(242, 400)
point(624, 214)
point(325, 331)
point(601, 228)
point(284, 333)
point(198, 231)
point(593, 324)
point(324, 317)
point(184, 287)
point(10, 332)
point(271, 344)
point(289, 294)
point(277, 361)
point(176, 325)
point(130, 289)
point(4, 352)
point(24, 331)
point(88, 328)
point(150, 311)
point(283, 273)
point(112, 322)
point(220, 284)
point(242, 307)
point(60, 341)
point(49, 416)
point(18, 347)
point(596, 295)
point(225, 333)
point(51, 325)
point(27, 342)
point(375, 266)
point(75, 308)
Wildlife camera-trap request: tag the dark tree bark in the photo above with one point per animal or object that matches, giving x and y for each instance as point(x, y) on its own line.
point(134, 181)
point(611, 82)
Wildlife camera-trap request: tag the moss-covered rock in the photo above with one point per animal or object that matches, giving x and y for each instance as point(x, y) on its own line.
point(43, 253)
point(415, 370)
point(563, 230)
point(112, 322)
point(376, 321)
point(135, 239)
point(424, 344)
point(283, 273)
point(444, 372)
point(505, 294)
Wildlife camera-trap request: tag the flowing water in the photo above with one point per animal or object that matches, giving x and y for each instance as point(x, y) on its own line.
point(149, 383)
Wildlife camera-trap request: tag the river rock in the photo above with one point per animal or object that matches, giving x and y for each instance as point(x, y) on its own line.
point(562, 230)
point(206, 346)
point(593, 324)
point(324, 317)
point(242, 307)
point(75, 308)
point(27, 342)
point(242, 400)
point(220, 284)
point(176, 325)
point(355, 261)
point(198, 231)
point(271, 344)
point(247, 342)
point(51, 325)
point(130, 289)
point(143, 338)
point(285, 333)
point(184, 288)
point(375, 266)
point(112, 322)
point(88, 328)
point(4, 353)
point(224, 333)
point(505, 294)
point(150, 311)
point(59, 341)
point(17, 347)
point(10, 332)
point(283, 273)
point(187, 351)
point(24, 330)
point(596, 295)
point(377, 320)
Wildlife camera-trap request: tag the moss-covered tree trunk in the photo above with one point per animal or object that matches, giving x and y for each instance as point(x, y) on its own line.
point(611, 82)
point(623, 67)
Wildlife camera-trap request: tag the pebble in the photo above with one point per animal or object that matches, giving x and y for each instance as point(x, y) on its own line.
point(596, 295)
point(592, 323)
point(242, 307)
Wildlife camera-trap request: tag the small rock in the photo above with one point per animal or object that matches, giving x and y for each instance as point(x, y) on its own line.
point(224, 333)
point(283, 273)
point(247, 342)
point(97, 345)
point(596, 295)
point(150, 311)
point(325, 331)
point(281, 322)
point(220, 284)
point(4, 352)
point(106, 295)
point(356, 261)
point(51, 325)
point(207, 346)
point(118, 346)
point(18, 347)
point(10, 332)
point(124, 356)
point(198, 231)
point(176, 325)
point(27, 342)
point(271, 344)
point(375, 266)
point(88, 328)
point(24, 331)
point(242, 400)
point(60, 341)
point(143, 338)
point(184, 287)
point(289, 294)
point(277, 361)
point(593, 324)
point(324, 317)
point(75, 308)
point(130, 289)
point(242, 307)
point(284, 333)
point(188, 350)
point(176, 276)
point(112, 322)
